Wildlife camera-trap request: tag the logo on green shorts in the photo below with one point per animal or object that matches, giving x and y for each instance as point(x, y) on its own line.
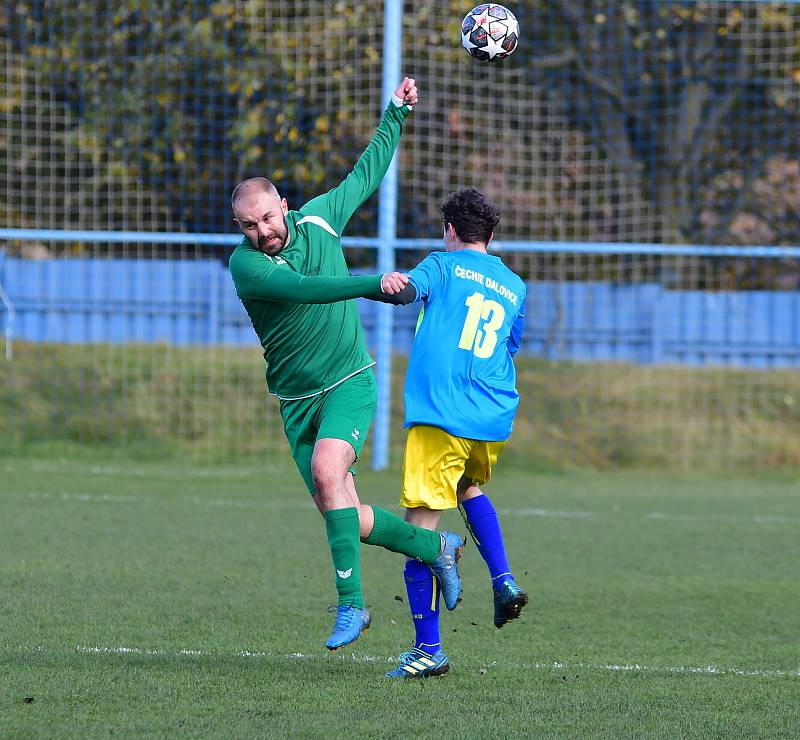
point(356, 433)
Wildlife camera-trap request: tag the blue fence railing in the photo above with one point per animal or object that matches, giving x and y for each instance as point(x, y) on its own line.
point(193, 303)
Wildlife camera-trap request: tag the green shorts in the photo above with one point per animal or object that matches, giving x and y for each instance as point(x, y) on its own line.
point(343, 412)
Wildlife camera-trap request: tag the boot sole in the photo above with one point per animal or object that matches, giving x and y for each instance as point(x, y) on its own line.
point(513, 610)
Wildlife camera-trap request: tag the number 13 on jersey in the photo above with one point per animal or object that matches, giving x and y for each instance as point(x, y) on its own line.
point(481, 339)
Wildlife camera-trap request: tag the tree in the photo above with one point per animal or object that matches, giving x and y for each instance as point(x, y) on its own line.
point(186, 98)
point(616, 120)
point(675, 94)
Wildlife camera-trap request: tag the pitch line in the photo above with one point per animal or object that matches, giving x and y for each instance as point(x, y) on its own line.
point(710, 670)
point(299, 503)
point(699, 670)
point(652, 516)
point(555, 513)
point(111, 470)
point(102, 498)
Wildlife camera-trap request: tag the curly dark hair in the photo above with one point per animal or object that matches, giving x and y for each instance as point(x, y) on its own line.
point(473, 217)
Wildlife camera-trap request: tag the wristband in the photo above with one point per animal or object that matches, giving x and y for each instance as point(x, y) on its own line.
point(399, 101)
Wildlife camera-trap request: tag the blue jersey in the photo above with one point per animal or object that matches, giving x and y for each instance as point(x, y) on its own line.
point(461, 375)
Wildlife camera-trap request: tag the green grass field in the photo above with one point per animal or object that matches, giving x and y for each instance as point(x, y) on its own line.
point(156, 599)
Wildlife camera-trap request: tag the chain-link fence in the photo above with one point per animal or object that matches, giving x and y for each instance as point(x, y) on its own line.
point(615, 122)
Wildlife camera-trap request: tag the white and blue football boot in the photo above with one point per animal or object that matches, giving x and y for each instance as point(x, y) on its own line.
point(416, 663)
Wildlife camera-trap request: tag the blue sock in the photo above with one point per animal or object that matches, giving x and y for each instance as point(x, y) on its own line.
point(423, 600)
point(485, 527)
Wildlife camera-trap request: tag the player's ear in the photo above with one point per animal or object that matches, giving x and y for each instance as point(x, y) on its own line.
point(284, 206)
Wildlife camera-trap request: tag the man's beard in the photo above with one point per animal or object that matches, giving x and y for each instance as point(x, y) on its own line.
point(273, 249)
point(270, 249)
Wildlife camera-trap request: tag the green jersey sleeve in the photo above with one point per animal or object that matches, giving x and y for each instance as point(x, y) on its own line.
point(338, 204)
point(256, 276)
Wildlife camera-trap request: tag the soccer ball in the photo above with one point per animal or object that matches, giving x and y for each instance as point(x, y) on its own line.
point(489, 32)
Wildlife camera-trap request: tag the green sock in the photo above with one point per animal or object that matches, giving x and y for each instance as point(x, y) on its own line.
point(341, 526)
point(397, 535)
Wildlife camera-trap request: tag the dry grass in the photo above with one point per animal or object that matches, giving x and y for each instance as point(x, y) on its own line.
point(211, 403)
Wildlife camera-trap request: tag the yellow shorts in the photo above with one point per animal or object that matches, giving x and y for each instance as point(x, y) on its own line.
point(435, 461)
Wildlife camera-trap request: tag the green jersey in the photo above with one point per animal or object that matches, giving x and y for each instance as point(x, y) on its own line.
point(310, 343)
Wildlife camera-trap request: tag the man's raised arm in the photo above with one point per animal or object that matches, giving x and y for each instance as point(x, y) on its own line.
point(338, 204)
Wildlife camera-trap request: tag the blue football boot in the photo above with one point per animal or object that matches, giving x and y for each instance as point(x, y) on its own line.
point(350, 623)
point(445, 568)
point(416, 663)
point(508, 602)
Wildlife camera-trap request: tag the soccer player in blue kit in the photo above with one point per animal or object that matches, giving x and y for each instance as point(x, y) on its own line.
point(460, 402)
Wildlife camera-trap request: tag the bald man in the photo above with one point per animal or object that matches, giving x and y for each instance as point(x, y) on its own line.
point(292, 278)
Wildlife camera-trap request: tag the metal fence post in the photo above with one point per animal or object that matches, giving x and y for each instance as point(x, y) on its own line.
point(6, 301)
point(387, 234)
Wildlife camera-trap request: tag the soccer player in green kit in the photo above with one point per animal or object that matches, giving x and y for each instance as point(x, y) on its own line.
point(292, 278)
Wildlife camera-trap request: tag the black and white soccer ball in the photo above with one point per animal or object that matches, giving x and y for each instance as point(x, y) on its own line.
point(489, 32)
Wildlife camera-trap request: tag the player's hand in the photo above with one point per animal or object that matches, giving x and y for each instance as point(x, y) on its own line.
point(393, 282)
point(407, 91)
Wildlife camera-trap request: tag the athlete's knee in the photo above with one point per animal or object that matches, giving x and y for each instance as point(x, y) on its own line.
point(328, 469)
point(330, 463)
point(327, 479)
point(467, 489)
